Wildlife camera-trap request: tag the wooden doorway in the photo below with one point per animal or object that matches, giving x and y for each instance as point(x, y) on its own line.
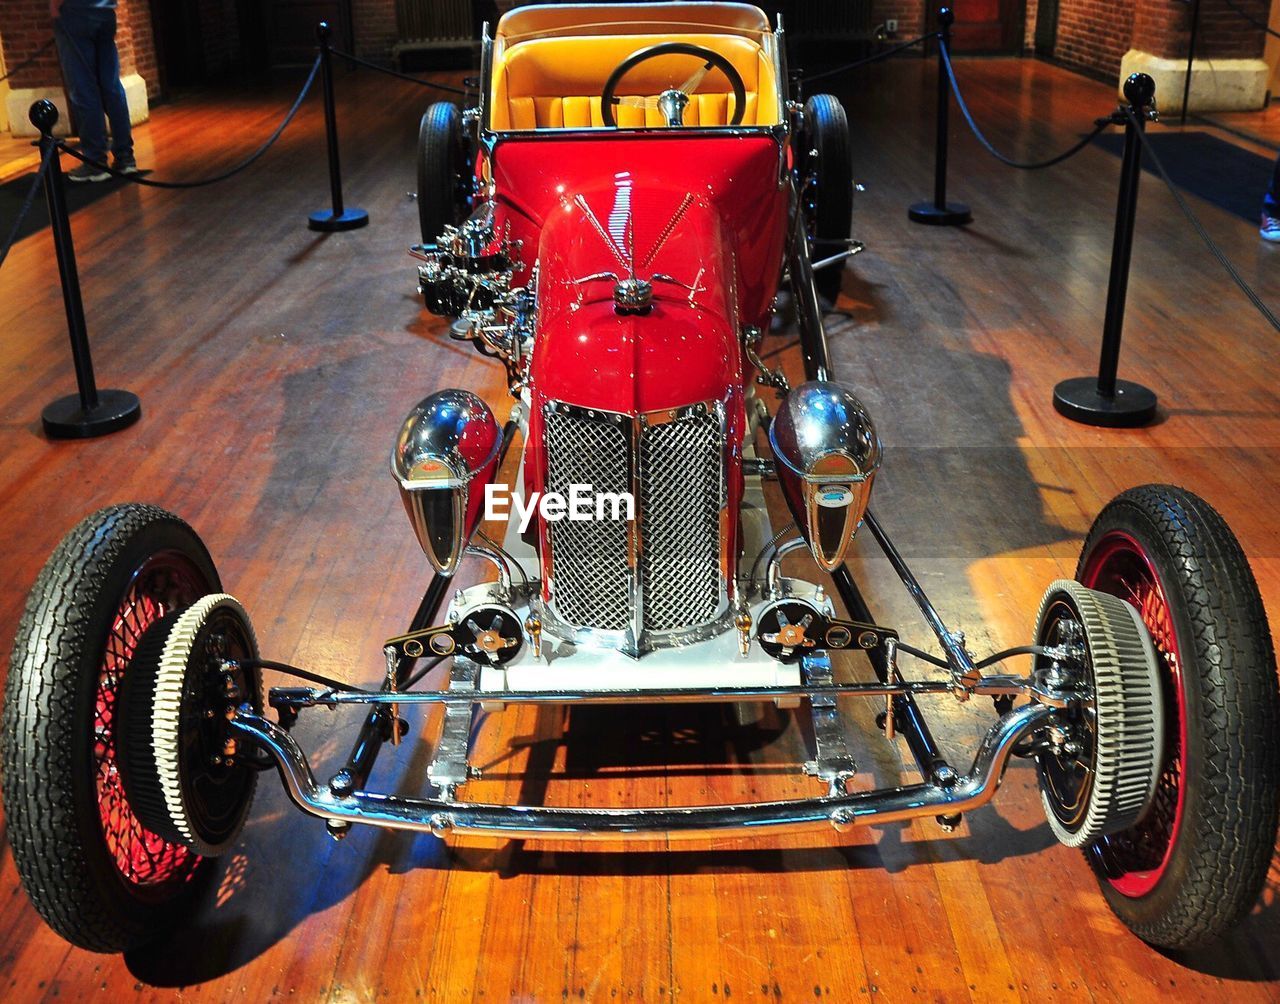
point(994, 26)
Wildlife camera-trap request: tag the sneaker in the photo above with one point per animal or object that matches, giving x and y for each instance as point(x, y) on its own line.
point(125, 165)
point(87, 172)
point(1270, 229)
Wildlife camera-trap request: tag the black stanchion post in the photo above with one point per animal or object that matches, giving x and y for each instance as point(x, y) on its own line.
point(340, 217)
point(1191, 59)
point(90, 412)
point(1107, 400)
point(939, 213)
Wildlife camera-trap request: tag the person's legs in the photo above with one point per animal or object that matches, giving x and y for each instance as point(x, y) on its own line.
point(1270, 228)
point(113, 98)
point(1271, 201)
point(77, 51)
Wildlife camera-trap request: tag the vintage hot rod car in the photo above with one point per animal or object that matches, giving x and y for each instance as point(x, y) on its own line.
point(614, 220)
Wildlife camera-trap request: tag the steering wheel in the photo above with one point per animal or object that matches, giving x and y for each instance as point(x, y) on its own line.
point(712, 59)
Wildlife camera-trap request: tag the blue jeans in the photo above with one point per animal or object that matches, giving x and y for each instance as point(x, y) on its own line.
point(87, 48)
point(1271, 201)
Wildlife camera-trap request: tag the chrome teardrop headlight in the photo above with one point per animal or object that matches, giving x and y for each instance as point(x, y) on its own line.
point(445, 454)
point(828, 454)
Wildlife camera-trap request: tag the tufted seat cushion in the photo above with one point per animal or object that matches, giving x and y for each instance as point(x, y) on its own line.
point(555, 83)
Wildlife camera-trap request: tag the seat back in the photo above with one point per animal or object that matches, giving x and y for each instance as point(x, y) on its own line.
point(555, 83)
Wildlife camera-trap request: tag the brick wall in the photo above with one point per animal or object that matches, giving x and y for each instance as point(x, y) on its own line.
point(374, 25)
point(135, 37)
point(1225, 34)
point(1094, 34)
point(27, 26)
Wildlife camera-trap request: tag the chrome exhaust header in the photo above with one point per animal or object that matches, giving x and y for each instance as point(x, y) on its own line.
point(945, 794)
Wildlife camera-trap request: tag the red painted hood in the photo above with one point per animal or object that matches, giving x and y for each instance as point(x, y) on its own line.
point(684, 350)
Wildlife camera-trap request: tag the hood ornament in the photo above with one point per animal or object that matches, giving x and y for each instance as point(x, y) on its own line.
point(633, 296)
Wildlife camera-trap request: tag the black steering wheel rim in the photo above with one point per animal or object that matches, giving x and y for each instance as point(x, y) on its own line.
point(713, 58)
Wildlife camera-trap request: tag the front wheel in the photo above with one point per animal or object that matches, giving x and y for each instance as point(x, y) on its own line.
point(1196, 862)
point(95, 873)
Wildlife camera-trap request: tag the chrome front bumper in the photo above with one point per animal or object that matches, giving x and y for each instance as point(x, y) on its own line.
point(443, 816)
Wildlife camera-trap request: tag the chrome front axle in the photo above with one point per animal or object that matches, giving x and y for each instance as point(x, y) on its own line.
point(442, 814)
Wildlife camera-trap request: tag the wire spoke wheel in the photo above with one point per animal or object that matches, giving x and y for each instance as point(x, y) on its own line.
point(182, 773)
point(1100, 767)
point(1134, 860)
point(1193, 865)
point(165, 582)
point(99, 876)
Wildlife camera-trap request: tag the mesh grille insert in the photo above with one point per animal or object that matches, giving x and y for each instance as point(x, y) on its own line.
point(589, 557)
point(682, 492)
point(681, 495)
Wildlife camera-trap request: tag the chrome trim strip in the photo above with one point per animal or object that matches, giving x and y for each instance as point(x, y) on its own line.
point(443, 816)
point(486, 76)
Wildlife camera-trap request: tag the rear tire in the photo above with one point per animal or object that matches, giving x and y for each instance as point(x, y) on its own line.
point(1196, 863)
point(443, 173)
point(91, 870)
point(828, 188)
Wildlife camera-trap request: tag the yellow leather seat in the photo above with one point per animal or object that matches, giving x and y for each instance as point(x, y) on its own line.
point(555, 83)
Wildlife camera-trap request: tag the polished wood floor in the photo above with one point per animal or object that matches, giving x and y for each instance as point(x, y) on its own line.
point(275, 365)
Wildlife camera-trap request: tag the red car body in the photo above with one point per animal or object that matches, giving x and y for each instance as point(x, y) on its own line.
point(710, 213)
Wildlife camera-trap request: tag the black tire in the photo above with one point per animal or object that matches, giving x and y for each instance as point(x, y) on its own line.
point(1181, 879)
point(828, 190)
point(443, 172)
point(117, 572)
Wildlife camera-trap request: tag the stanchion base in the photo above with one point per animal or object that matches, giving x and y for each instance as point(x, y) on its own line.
point(955, 214)
point(1078, 399)
point(326, 221)
point(66, 419)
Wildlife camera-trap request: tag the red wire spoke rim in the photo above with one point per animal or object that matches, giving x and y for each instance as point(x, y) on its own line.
point(1136, 860)
point(144, 861)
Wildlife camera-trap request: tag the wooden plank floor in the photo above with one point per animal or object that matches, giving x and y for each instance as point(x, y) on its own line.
point(275, 365)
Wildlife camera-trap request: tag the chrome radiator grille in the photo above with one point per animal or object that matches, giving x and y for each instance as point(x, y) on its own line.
point(589, 558)
point(681, 495)
point(673, 463)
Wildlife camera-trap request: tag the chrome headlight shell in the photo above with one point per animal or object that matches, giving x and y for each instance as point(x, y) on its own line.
point(828, 454)
point(445, 454)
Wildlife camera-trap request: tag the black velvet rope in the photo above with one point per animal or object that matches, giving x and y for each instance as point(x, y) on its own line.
point(1038, 165)
point(26, 208)
point(870, 59)
point(396, 73)
point(1209, 242)
point(138, 179)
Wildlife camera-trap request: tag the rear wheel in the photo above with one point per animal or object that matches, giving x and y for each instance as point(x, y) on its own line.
point(443, 173)
point(827, 193)
point(1196, 862)
point(96, 874)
